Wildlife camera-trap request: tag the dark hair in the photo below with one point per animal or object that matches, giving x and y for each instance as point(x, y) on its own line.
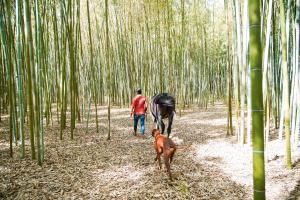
point(139, 91)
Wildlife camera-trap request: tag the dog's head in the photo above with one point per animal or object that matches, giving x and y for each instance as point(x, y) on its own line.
point(155, 132)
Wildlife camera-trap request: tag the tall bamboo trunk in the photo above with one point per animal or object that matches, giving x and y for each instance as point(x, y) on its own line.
point(8, 63)
point(229, 76)
point(108, 67)
point(257, 100)
point(30, 75)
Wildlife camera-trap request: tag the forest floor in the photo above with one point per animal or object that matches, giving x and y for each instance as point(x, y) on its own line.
point(208, 165)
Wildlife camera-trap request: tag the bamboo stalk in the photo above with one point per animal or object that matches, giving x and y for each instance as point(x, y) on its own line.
point(257, 100)
point(285, 86)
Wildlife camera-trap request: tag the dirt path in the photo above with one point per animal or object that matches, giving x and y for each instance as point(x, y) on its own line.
point(89, 167)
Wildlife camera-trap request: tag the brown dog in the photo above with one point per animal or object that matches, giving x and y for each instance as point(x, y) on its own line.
point(164, 145)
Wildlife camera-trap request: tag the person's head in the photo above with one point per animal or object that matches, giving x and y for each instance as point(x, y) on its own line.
point(138, 91)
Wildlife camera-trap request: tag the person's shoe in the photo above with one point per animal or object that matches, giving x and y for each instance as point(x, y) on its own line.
point(134, 134)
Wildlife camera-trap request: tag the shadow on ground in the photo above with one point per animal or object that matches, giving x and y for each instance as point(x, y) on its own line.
point(295, 194)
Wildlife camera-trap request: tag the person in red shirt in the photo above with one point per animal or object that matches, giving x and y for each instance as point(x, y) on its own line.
point(138, 110)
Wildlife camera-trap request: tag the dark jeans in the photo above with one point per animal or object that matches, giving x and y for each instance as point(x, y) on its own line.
point(136, 120)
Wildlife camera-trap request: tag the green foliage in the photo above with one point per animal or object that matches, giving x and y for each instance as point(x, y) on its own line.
point(183, 187)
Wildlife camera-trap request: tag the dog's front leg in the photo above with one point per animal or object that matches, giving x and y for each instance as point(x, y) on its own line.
point(157, 152)
point(157, 156)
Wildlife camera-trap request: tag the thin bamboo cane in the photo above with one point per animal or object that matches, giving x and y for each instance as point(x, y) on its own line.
point(285, 85)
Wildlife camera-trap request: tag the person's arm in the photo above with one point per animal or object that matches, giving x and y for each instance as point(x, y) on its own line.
point(132, 107)
point(145, 106)
point(132, 111)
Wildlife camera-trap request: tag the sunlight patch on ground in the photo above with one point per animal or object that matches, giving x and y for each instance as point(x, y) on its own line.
point(125, 173)
point(211, 122)
point(4, 116)
point(4, 170)
point(4, 145)
point(176, 139)
point(236, 161)
point(278, 148)
point(230, 159)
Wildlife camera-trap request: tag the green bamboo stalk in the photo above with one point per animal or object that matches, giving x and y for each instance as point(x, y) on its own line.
point(108, 67)
point(11, 53)
point(257, 100)
point(70, 36)
point(229, 76)
point(2, 91)
point(38, 107)
point(78, 45)
point(92, 67)
point(7, 62)
point(62, 65)
point(20, 77)
point(30, 76)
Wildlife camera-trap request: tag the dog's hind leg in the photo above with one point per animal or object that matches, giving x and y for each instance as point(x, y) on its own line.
point(167, 151)
point(167, 163)
point(159, 161)
point(162, 127)
point(161, 124)
point(172, 154)
point(158, 155)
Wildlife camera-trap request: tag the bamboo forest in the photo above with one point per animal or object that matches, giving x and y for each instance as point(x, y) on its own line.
point(150, 99)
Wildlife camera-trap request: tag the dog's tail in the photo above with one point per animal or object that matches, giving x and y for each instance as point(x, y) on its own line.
point(183, 148)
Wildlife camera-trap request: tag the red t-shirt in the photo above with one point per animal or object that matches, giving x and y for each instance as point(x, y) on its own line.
point(139, 104)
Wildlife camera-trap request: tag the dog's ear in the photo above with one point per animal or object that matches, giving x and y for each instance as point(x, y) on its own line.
point(154, 131)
